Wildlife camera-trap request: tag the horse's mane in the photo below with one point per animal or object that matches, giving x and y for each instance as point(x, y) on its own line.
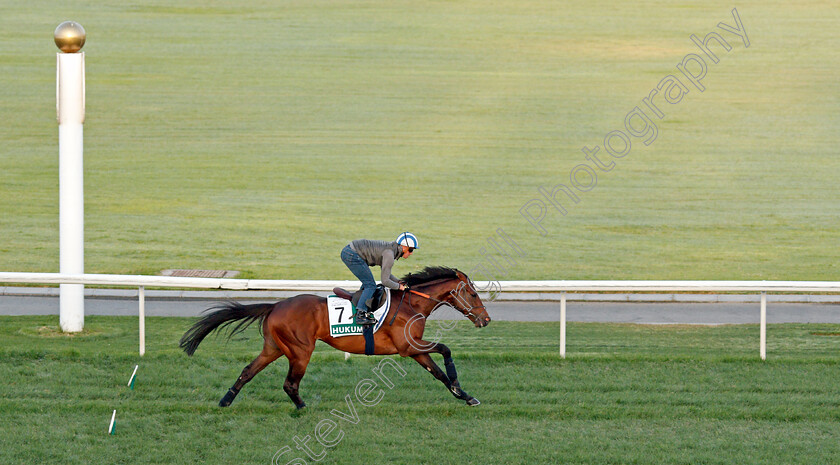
point(429, 274)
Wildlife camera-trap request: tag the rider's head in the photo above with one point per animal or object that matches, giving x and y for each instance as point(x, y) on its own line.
point(408, 242)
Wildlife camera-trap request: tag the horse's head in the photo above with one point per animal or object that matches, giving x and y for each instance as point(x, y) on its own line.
point(453, 288)
point(466, 300)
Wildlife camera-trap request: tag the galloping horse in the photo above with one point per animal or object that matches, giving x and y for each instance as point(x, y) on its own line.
point(292, 326)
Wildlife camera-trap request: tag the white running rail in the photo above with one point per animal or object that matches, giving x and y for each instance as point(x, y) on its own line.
point(144, 281)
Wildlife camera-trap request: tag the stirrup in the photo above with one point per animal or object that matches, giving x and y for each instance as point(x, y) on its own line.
point(364, 318)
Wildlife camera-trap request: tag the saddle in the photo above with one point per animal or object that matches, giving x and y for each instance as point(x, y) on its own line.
point(372, 304)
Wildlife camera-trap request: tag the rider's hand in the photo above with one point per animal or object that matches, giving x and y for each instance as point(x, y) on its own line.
point(403, 286)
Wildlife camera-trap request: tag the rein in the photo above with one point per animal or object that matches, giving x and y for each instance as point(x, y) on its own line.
point(464, 311)
point(391, 323)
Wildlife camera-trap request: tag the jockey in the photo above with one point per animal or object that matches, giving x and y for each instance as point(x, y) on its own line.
point(361, 254)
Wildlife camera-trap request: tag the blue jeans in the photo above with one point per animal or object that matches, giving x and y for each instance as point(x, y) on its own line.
point(361, 270)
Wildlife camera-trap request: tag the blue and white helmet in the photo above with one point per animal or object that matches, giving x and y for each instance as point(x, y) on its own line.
point(407, 239)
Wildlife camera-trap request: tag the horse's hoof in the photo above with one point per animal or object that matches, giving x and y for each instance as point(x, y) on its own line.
point(472, 402)
point(298, 412)
point(301, 406)
point(228, 398)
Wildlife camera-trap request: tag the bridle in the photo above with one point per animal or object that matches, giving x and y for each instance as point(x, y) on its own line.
point(466, 310)
point(456, 294)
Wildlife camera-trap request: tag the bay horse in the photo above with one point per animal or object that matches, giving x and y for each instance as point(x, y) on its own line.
point(292, 326)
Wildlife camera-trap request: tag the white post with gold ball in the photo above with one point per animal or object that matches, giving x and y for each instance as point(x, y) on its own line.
point(70, 107)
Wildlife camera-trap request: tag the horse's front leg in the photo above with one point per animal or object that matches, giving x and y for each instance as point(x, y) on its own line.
point(450, 378)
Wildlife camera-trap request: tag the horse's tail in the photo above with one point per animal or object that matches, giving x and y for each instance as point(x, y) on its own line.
point(222, 316)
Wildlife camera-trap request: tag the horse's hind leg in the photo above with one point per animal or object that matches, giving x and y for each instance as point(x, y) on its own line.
point(297, 368)
point(269, 354)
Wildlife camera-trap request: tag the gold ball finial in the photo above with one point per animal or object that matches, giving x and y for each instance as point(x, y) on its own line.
point(70, 37)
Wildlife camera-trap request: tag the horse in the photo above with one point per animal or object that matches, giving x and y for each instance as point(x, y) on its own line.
point(292, 326)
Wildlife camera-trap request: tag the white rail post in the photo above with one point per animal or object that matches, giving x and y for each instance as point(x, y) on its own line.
point(763, 337)
point(70, 109)
point(141, 295)
point(563, 324)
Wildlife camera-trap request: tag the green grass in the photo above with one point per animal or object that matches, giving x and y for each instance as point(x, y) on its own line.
point(626, 394)
point(263, 137)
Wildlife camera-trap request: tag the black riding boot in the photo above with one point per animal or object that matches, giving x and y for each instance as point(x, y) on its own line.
point(364, 318)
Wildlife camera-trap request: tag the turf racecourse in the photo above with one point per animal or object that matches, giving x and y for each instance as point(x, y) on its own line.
point(263, 137)
point(627, 394)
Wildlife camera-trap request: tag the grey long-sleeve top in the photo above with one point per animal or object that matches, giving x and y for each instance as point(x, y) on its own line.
point(380, 253)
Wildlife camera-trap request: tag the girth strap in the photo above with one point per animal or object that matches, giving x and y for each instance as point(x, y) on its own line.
point(367, 332)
